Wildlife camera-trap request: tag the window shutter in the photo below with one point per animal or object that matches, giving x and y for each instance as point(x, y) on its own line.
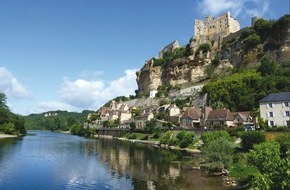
point(283, 105)
point(273, 114)
point(268, 114)
point(269, 123)
point(284, 114)
point(268, 106)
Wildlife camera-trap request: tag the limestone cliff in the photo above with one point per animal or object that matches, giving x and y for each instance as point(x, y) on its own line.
point(204, 58)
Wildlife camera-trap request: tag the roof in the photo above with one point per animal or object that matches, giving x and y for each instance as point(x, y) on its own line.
point(245, 116)
point(170, 45)
point(220, 115)
point(277, 97)
point(192, 113)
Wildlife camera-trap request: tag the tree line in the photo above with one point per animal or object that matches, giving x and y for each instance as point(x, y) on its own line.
point(10, 123)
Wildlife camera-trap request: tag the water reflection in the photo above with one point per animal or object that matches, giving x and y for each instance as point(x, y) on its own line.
point(57, 161)
point(151, 167)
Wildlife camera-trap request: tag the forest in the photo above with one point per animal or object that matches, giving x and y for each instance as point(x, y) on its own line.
point(10, 123)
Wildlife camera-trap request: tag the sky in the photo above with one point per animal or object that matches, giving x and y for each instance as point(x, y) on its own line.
point(76, 55)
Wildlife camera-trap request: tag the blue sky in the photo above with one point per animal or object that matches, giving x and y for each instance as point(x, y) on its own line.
point(78, 54)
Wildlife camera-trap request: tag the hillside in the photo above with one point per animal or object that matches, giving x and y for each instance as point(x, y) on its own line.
point(55, 120)
point(203, 60)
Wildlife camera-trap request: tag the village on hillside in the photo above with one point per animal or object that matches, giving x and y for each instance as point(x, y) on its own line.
point(134, 114)
point(274, 109)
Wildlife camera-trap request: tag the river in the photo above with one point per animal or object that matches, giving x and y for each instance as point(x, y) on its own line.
point(46, 160)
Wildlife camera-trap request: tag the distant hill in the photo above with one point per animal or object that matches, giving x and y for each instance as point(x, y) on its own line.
point(55, 120)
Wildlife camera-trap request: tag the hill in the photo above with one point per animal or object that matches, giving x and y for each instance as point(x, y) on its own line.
point(55, 120)
point(208, 58)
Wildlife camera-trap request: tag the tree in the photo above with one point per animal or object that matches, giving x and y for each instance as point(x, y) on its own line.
point(185, 138)
point(274, 170)
point(220, 150)
point(3, 101)
point(252, 137)
point(132, 126)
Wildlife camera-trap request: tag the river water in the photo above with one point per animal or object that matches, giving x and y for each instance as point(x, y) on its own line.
point(46, 160)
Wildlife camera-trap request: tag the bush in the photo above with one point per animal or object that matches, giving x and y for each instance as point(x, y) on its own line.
point(208, 137)
point(166, 137)
point(236, 131)
point(185, 138)
point(220, 150)
point(252, 137)
point(247, 32)
point(252, 40)
point(132, 136)
point(284, 141)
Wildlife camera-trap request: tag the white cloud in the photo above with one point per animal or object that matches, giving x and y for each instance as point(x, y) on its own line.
point(236, 7)
point(52, 106)
point(84, 94)
point(10, 85)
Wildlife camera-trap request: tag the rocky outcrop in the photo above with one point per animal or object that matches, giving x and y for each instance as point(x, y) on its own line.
point(203, 58)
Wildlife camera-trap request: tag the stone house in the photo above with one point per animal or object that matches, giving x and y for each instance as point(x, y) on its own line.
point(275, 109)
point(190, 118)
point(169, 48)
point(220, 117)
point(105, 113)
point(243, 119)
point(124, 116)
point(141, 120)
point(172, 110)
point(126, 123)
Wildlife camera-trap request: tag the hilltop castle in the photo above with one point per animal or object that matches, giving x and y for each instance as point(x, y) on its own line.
point(216, 28)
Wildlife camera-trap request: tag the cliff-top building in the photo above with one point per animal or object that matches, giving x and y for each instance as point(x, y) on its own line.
point(213, 28)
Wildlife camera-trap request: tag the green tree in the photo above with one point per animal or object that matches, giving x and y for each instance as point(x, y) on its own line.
point(252, 137)
point(220, 150)
point(274, 170)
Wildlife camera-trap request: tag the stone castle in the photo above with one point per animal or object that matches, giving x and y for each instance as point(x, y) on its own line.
point(216, 28)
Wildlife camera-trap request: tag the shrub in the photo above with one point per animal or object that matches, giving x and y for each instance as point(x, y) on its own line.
point(220, 150)
point(207, 137)
point(247, 32)
point(185, 138)
point(132, 136)
point(284, 141)
point(166, 137)
point(252, 40)
point(252, 137)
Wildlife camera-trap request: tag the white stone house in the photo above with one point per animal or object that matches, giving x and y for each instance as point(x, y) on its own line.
point(275, 109)
point(141, 120)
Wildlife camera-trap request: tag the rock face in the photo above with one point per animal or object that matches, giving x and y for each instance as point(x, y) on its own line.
point(204, 57)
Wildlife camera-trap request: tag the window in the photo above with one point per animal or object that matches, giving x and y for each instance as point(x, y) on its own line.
point(286, 104)
point(271, 123)
point(288, 123)
point(271, 114)
point(270, 105)
point(287, 113)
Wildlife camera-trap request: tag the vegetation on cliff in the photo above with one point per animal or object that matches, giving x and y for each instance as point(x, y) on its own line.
point(244, 89)
point(10, 123)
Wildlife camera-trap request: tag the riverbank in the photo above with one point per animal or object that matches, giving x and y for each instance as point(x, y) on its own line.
point(2, 136)
point(151, 143)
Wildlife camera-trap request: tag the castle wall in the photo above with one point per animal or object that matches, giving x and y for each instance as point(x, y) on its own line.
point(224, 25)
